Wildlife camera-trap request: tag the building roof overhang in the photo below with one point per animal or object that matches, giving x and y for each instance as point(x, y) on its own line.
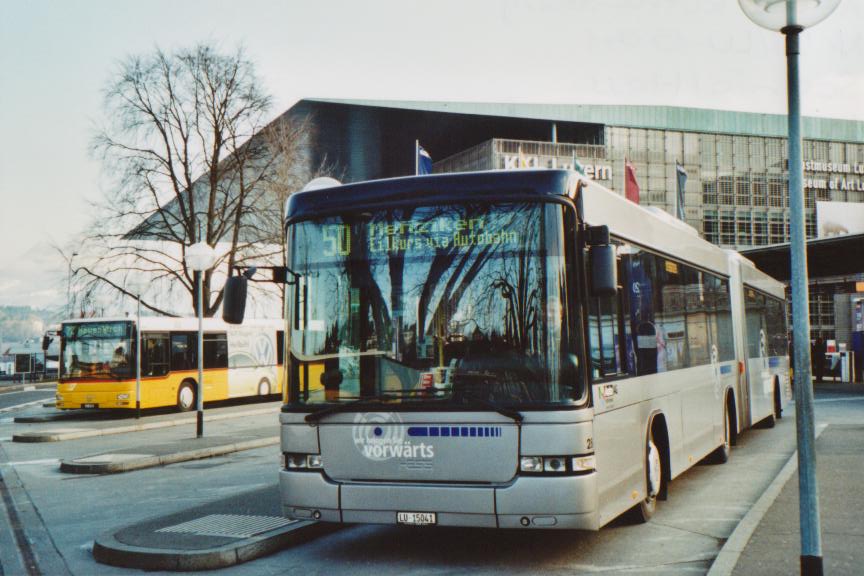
point(633, 116)
point(834, 256)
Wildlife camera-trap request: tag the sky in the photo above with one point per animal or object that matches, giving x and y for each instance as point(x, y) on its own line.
point(57, 56)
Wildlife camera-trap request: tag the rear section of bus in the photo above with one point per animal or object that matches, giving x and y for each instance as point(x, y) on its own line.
point(434, 360)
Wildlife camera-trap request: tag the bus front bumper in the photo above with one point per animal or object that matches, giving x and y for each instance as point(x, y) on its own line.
point(564, 502)
point(113, 395)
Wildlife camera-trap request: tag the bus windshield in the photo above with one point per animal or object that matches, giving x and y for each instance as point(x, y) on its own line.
point(466, 303)
point(97, 350)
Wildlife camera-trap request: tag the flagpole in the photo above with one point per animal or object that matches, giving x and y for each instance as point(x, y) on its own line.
point(624, 174)
point(416, 157)
point(677, 186)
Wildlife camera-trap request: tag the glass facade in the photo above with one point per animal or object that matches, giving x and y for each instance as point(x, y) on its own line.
point(737, 192)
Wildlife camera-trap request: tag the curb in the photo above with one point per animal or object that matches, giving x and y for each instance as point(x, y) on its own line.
point(28, 387)
point(73, 467)
point(108, 550)
point(59, 436)
point(725, 562)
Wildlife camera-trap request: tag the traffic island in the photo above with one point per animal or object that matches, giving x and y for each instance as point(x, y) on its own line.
point(215, 535)
point(170, 453)
point(104, 424)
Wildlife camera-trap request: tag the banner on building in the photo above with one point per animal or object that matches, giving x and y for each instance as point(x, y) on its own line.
point(839, 218)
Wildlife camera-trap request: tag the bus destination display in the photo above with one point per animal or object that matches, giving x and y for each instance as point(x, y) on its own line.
point(418, 236)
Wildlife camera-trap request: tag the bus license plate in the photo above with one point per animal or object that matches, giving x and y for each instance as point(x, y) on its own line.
point(416, 518)
point(89, 405)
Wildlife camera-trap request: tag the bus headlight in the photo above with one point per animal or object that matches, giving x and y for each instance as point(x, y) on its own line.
point(557, 465)
point(302, 461)
point(58, 397)
point(122, 396)
point(584, 464)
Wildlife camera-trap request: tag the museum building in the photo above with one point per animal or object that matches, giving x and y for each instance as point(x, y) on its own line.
point(736, 192)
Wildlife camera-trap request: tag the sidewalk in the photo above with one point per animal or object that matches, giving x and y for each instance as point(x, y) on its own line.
point(215, 535)
point(15, 387)
point(774, 547)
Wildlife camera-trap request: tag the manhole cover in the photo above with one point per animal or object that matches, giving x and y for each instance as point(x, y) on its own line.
point(229, 525)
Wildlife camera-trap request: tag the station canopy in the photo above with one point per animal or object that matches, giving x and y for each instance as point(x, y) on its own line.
point(834, 256)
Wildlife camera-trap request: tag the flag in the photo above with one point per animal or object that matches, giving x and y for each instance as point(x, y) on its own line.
point(681, 178)
point(631, 186)
point(423, 161)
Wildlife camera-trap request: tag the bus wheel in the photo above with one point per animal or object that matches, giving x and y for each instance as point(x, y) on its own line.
point(264, 387)
point(771, 420)
point(721, 454)
point(654, 481)
point(778, 408)
point(186, 397)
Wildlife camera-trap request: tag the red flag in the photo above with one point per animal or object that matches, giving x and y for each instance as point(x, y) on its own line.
point(631, 186)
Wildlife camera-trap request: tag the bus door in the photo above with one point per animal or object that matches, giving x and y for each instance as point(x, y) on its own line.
point(155, 386)
point(617, 422)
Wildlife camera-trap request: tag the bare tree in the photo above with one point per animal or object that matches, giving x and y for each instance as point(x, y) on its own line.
point(184, 142)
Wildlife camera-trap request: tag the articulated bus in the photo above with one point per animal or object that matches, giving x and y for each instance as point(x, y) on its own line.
point(98, 364)
point(518, 349)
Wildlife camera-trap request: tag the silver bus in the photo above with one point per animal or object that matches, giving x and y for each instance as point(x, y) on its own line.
point(519, 349)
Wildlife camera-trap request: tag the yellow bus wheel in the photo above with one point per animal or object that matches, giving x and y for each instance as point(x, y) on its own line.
point(186, 396)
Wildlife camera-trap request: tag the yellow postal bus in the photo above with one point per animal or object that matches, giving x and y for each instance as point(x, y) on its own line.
point(98, 365)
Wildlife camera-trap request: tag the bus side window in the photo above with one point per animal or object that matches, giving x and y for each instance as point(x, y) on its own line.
point(154, 353)
point(215, 350)
point(280, 347)
point(184, 350)
point(604, 336)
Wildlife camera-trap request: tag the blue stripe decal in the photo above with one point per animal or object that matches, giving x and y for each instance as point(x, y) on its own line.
point(773, 362)
point(455, 432)
point(725, 369)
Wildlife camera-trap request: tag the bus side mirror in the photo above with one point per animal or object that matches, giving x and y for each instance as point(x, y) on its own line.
point(234, 300)
point(46, 342)
point(604, 270)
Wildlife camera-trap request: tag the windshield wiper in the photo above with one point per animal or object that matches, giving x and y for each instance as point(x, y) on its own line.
point(316, 416)
point(514, 415)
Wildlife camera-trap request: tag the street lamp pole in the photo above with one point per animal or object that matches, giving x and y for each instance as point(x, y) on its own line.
point(69, 283)
point(790, 17)
point(810, 521)
point(200, 257)
point(138, 357)
point(199, 278)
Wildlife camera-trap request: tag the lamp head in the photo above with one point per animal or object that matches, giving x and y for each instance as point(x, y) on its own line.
point(200, 257)
point(778, 14)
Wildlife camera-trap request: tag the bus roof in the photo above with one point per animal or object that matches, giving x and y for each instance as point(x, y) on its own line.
point(629, 221)
point(456, 187)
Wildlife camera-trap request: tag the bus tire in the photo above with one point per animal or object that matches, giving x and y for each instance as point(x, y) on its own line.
point(186, 396)
point(771, 420)
point(722, 453)
point(264, 387)
point(654, 479)
point(778, 406)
